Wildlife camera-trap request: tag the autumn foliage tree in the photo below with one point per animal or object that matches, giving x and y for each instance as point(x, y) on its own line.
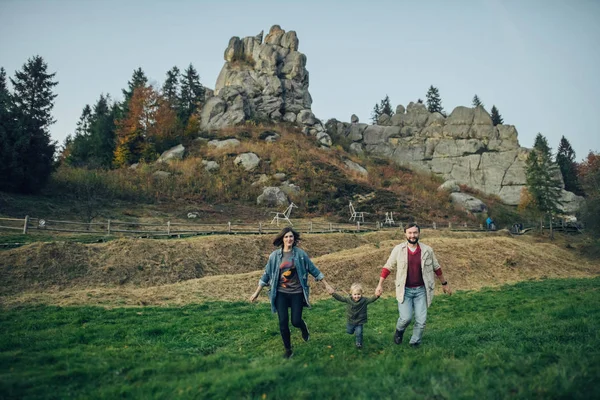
point(589, 177)
point(135, 131)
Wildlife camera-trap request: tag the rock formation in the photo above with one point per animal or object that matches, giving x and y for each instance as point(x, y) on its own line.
point(465, 146)
point(263, 81)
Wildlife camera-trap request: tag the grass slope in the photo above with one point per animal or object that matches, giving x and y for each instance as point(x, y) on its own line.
point(530, 340)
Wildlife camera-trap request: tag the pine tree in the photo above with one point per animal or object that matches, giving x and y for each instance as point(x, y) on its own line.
point(29, 140)
point(565, 158)
point(191, 96)
point(375, 114)
point(434, 102)
point(542, 178)
point(7, 133)
point(477, 102)
point(138, 79)
point(385, 106)
point(170, 89)
point(496, 117)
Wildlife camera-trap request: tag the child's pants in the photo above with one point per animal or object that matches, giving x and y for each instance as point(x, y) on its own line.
point(358, 329)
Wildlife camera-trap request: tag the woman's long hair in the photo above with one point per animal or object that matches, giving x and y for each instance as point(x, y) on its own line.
point(278, 241)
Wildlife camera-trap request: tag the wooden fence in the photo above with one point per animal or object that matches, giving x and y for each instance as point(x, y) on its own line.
point(169, 229)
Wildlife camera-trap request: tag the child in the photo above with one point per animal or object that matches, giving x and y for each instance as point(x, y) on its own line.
point(356, 310)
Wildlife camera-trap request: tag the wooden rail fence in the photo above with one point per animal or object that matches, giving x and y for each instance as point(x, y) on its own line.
point(111, 227)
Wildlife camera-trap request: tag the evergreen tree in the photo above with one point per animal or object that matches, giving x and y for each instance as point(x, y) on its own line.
point(434, 102)
point(102, 132)
point(375, 114)
point(29, 140)
point(170, 89)
point(496, 117)
point(191, 96)
point(420, 101)
point(565, 158)
point(138, 79)
point(7, 133)
point(385, 106)
point(477, 102)
point(542, 177)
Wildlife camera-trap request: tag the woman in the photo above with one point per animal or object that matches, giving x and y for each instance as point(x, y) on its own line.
point(286, 273)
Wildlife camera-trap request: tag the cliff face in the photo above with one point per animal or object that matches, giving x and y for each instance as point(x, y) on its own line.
point(465, 147)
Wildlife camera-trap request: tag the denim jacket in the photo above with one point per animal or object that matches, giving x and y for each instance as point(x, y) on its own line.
point(429, 264)
point(304, 266)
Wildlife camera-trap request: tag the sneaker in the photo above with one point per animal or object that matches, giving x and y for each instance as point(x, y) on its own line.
point(288, 353)
point(398, 336)
point(414, 345)
point(305, 334)
point(359, 346)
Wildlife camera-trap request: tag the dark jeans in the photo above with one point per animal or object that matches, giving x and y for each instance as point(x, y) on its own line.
point(295, 301)
point(351, 328)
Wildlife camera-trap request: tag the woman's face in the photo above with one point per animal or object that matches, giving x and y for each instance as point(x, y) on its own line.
point(288, 240)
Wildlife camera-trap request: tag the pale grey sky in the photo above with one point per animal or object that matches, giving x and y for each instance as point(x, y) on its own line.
point(537, 61)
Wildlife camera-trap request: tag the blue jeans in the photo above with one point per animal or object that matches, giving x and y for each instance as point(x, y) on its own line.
point(358, 329)
point(415, 302)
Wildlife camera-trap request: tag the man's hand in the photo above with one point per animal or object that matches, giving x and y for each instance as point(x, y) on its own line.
point(330, 289)
point(447, 289)
point(379, 291)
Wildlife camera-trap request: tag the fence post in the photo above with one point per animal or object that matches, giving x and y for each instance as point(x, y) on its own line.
point(358, 226)
point(25, 225)
point(168, 228)
point(330, 227)
point(480, 227)
point(259, 227)
point(449, 225)
point(311, 227)
point(401, 226)
point(229, 227)
point(434, 225)
point(108, 227)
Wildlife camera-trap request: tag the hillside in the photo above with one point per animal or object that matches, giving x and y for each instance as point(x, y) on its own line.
point(322, 185)
point(136, 272)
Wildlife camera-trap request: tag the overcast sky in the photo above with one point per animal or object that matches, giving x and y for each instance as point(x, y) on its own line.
point(537, 61)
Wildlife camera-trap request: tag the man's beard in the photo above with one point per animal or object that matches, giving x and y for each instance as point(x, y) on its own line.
point(413, 241)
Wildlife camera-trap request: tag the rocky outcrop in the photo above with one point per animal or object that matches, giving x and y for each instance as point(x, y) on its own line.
point(262, 81)
point(464, 147)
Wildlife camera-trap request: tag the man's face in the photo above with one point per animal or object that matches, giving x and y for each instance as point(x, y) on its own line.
point(412, 235)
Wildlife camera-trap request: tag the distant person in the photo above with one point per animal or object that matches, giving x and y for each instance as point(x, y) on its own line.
point(489, 222)
point(286, 274)
point(416, 264)
point(356, 310)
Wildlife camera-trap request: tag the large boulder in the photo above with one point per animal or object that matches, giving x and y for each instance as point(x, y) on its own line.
point(272, 197)
point(174, 153)
point(249, 161)
point(468, 202)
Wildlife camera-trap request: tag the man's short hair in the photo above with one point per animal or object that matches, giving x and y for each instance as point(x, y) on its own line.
point(412, 225)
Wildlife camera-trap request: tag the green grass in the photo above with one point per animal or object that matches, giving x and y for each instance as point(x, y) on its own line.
point(530, 340)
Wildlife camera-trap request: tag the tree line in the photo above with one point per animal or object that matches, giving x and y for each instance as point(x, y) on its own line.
point(109, 134)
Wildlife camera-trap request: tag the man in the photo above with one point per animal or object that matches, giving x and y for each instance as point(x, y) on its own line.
point(416, 265)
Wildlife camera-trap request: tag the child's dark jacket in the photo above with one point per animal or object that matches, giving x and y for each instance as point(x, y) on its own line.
point(356, 311)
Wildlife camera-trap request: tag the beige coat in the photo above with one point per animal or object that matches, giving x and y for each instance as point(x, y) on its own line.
point(429, 264)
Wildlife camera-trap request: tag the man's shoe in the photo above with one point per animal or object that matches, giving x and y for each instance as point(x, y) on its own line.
point(414, 345)
point(305, 334)
point(288, 353)
point(398, 336)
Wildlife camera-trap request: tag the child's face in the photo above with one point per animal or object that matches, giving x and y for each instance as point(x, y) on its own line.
point(356, 295)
